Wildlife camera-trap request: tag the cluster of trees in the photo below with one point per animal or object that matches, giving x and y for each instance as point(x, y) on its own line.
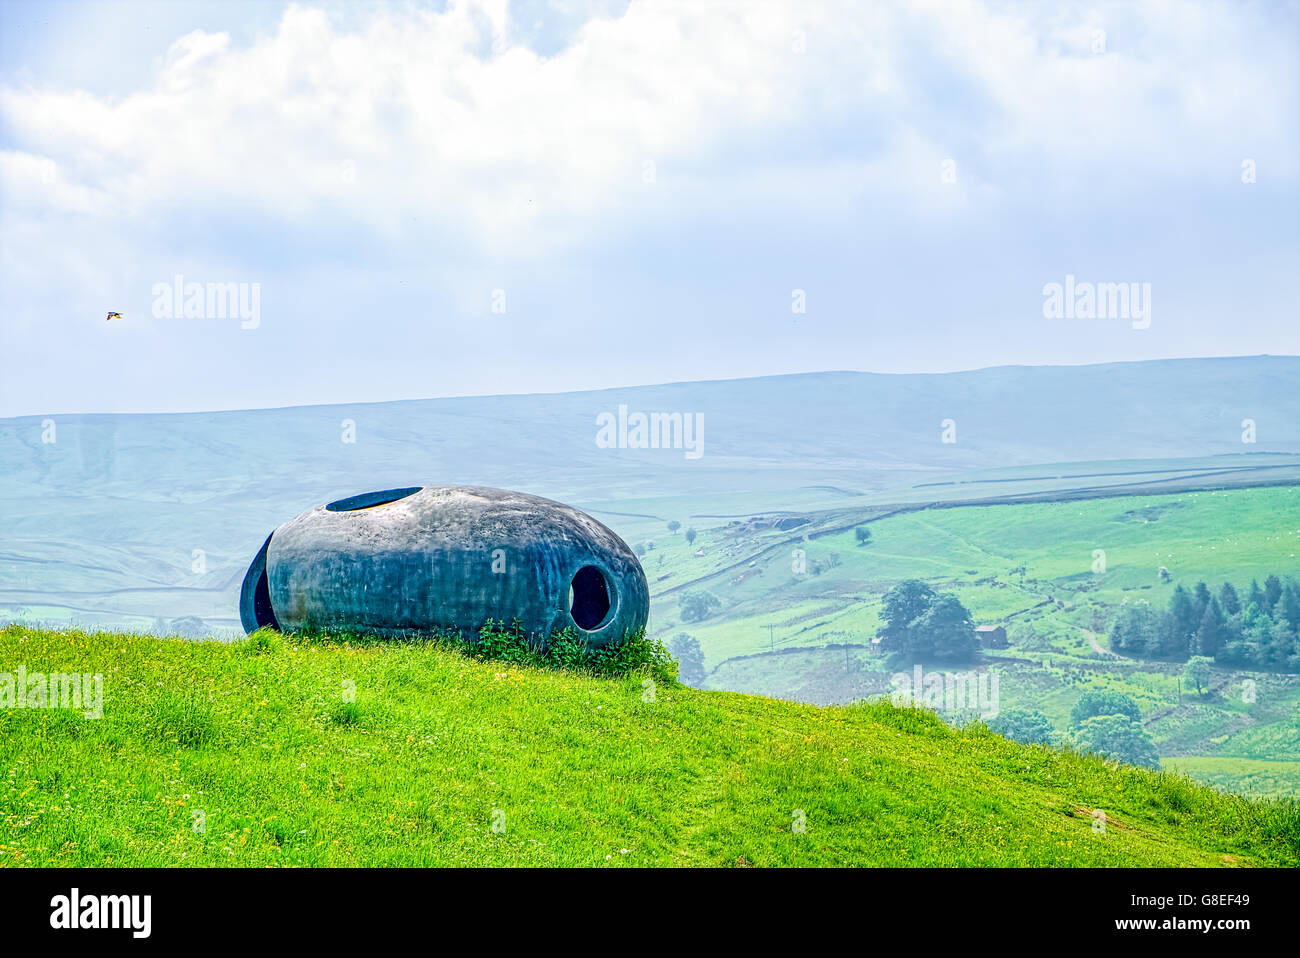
point(1026, 726)
point(697, 605)
point(1197, 674)
point(1103, 723)
point(1109, 724)
point(685, 648)
point(922, 623)
point(641, 548)
point(818, 566)
point(1261, 629)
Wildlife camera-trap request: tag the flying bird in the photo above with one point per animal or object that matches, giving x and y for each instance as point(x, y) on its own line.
point(112, 316)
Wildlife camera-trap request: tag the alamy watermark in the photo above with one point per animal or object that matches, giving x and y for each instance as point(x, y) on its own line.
point(129, 912)
point(947, 691)
point(55, 690)
point(656, 430)
point(1085, 300)
point(181, 300)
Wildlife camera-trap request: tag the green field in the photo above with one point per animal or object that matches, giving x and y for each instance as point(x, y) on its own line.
point(444, 760)
point(1247, 775)
point(976, 551)
point(1027, 566)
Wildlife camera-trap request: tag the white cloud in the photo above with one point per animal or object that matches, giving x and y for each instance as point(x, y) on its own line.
point(399, 135)
point(415, 118)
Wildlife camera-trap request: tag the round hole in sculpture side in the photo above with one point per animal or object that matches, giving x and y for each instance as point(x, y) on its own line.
point(590, 601)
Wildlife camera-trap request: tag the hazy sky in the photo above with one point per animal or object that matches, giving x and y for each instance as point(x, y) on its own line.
point(641, 188)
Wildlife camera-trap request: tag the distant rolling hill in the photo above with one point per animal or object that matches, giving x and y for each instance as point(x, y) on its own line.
point(138, 520)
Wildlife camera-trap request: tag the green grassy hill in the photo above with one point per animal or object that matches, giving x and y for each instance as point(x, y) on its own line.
point(443, 760)
point(1029, 567)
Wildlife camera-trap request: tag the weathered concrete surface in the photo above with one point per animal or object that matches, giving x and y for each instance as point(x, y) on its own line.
point(412, 561)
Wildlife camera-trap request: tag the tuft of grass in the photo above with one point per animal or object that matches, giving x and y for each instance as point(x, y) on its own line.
point(181, 717)
point(347, 713)
point(569, 650)
point(262, 642)
point(565, 651)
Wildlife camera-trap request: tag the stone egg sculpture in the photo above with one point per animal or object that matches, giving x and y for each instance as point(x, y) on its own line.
point(445, 559)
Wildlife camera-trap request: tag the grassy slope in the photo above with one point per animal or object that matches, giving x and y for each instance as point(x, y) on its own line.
point(1231, 535)
point(584, 772)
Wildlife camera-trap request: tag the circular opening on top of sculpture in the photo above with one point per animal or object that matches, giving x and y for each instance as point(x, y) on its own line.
point(589, 598)
point(368, 500)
